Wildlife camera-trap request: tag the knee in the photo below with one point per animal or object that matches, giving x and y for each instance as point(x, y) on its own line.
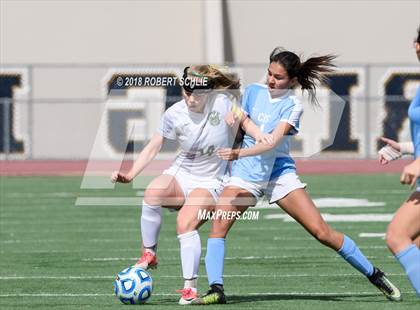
point(393, 238)
point(154, 197)
point(185, 226)
point(219, 228)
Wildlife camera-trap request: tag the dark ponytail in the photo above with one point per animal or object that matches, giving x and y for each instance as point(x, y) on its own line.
point(308, 73)
point(312, 71)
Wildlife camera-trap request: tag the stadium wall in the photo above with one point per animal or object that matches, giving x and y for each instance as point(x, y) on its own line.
point(58, 101)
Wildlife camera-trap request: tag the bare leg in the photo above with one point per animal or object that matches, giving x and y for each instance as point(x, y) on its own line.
point(188, 222)
point(404, 228)
point(233, 199)
point(401, 238)
point(299, 205)
point(164, 190)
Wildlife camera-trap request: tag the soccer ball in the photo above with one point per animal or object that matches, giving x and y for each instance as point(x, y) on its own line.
point(133, 285)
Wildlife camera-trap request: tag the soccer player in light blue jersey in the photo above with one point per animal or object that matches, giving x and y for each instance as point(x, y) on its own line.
point(269, 170)
point(404, 228)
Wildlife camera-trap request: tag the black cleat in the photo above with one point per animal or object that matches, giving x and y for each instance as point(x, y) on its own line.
point(215, 295)
point(390, 291)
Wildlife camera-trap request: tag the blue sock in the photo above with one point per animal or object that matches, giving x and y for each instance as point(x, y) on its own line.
point(352, 254)
point(214, 260)
point(409, 259)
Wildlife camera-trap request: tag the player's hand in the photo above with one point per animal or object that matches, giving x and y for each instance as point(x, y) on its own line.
point(411, 173)
point(120, 177)
point(266, 138)
point(228, 154)
point(391, 151)
point(231, 118)
point(394, 144)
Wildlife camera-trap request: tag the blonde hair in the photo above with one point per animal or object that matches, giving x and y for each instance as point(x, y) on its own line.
point(221, 79)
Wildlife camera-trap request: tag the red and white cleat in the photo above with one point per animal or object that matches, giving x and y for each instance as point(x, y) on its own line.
point(188, 296)
point(147, 261)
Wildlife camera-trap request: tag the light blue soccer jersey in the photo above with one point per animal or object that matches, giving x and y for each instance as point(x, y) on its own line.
point(267, 113)
point(414, 116)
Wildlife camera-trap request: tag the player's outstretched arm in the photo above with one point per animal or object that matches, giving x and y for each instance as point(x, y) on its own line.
point(252, 130)
point(237, 115)
point(146, 156)
point(394, 150)
point(277, 135)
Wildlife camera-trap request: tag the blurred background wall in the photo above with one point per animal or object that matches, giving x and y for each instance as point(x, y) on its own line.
point(59, 61)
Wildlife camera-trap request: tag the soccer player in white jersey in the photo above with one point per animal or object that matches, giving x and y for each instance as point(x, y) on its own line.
point(269, 170)
point(196, 178)
point(403, 233)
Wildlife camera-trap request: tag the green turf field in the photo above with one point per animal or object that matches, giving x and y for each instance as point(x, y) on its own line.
point(55, 255)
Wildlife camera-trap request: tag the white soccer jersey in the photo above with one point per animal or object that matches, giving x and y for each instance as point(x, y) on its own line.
point(200, 135)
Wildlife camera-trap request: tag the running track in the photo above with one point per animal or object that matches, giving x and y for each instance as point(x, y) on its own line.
point(78, 167)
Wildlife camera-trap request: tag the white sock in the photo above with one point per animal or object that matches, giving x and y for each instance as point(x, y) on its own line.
point(192, 284)
point(190, 245)
point(150, 222)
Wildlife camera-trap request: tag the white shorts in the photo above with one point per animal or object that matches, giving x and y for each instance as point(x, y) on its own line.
point(274, 190)
point(189, 182)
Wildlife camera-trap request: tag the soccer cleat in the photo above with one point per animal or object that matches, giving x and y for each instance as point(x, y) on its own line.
point(147, 261)
point(390, 291)
point(188, 296)
point(215, 295)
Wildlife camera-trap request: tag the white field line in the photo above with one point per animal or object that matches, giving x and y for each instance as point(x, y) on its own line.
point(340, 217)
point(372, 235)
point(141, 192)
point(41, 195)
point(34, 221)
point(71, 295)
point(94, 240)
point(330, 202)
point(7, 278)
point(134, 230)
point(338, 202)
point(357, 218)
point(361, 192)
point(18, 226)
point(137, 231)
point(350, 294)
point(13, 241)
point(65, 241)
point(279, 248)
point(110, 259)
point(52, 295)
point(108, 201)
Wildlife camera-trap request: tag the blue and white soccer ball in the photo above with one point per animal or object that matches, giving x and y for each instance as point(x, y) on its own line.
point(133, 285)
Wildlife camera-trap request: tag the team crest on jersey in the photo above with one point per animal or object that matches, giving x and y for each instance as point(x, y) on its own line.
point(214, 118)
